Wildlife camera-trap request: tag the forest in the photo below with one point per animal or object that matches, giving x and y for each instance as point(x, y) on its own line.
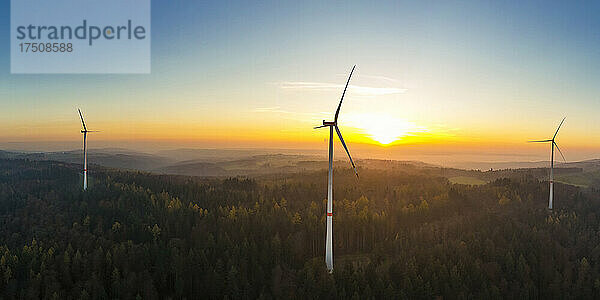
point(398, 234)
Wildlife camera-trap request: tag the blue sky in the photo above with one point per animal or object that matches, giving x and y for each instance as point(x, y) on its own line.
point(473, 74)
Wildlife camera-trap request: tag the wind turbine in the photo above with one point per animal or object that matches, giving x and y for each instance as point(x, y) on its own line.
point(332, 125)
point(85, 132)
point(553, 144)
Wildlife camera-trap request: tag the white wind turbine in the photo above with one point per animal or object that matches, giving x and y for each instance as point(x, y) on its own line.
point(332, 125)
point(85, 132)
point(553, 144)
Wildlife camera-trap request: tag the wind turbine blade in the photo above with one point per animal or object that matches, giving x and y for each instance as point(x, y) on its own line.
point(561, 154)
point(337, 112)
point(82, 122)
point(320, 126)
point(346, 148)
point(542, 141)
point(561, 122)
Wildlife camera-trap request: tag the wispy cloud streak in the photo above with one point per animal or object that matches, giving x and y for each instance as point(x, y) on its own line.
point(354, 89)
point(273, 109)
point(303, 116)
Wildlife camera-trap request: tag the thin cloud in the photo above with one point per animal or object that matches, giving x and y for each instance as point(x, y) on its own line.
point(275, 109)
point(354, 89)
point(286, 114)
point(377, 77)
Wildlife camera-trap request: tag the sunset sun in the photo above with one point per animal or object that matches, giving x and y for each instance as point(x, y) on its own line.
point(383, 129)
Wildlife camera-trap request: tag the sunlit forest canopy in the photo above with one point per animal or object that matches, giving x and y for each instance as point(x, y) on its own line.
point(405, 233)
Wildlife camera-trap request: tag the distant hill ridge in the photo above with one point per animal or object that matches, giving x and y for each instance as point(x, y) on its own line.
point(236, 162)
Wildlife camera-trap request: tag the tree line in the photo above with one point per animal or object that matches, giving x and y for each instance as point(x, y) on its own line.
point(397, 234)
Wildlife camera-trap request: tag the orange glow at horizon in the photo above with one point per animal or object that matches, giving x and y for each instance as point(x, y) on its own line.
point(384, 129)
point(367, 133)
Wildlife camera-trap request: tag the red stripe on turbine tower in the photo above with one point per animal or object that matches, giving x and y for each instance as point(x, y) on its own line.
point(329, 214)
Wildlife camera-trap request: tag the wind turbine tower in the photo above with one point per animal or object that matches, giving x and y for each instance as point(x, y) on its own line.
point(332, 126)
point(85, 132)
point(553, 144)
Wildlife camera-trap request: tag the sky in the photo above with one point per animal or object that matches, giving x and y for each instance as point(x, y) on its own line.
point(459, 80)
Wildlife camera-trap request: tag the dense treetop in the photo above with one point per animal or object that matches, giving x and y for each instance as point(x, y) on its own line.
point(400, 233)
